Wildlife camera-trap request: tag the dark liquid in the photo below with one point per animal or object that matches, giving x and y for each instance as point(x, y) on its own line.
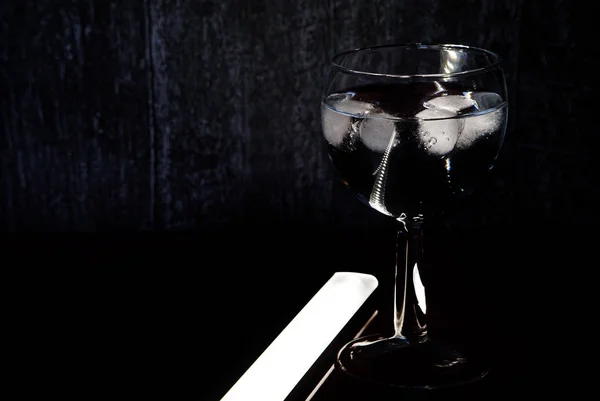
point(422, 167)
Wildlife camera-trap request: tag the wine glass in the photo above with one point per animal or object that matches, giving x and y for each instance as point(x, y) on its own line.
point(412, 129)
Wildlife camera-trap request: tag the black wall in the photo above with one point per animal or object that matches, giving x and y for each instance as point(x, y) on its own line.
point(155, 114)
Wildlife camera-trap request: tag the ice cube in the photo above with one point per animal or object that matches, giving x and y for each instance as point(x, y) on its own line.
point(472, 127)
point(481, 125)
point(438, 130)
point(337, 118)
point(486, 100)
point(451, 103)
point(376, 132)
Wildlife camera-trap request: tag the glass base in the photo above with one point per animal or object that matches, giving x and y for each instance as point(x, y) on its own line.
point(397, 362)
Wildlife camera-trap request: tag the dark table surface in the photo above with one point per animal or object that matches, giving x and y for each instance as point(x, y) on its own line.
point(183, 315)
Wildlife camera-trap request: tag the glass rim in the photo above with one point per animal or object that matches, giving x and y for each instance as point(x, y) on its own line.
point(419, 46)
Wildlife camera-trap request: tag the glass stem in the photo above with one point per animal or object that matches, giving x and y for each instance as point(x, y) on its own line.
point(409, 307)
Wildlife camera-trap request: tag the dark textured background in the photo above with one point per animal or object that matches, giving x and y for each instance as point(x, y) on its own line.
point(155, 114)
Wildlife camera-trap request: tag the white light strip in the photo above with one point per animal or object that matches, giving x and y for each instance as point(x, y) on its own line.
point(281, 366)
